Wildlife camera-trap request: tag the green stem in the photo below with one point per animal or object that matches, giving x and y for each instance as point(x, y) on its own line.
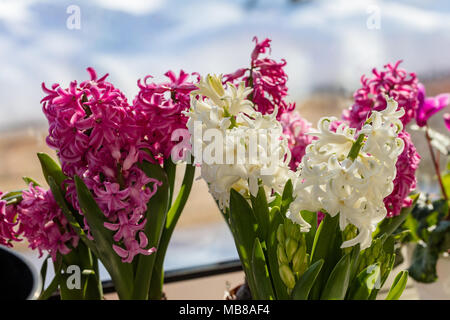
point(435, 164)
point(436, 169)
point(356, 147)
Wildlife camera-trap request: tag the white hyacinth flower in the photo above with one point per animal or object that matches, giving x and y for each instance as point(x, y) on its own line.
point(246, 133)
point(349, 173)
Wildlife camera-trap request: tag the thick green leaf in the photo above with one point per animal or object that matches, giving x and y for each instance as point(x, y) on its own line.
point(426, 256)
point(243, 226)
point(276, 202)
point(44, 269)
point(311, 218)
point(156, 219)
point(261, 212)
point(170, 169)
point(63, 264)
point(59, 198)
point(326, 246)
point(337, 283)
point(304, 285)
point(388, 226)
point(272, 243)
point(121, 273)
point(366, 281)
point(51, 169)
point(286, 198)
point(53, 286)
point(244, 222)
point(172, 218)
point(261, 273)
point(423, 263)
point(81, 257)
point(398, 286)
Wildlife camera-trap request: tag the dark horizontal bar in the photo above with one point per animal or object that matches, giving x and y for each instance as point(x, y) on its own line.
point(184, 274)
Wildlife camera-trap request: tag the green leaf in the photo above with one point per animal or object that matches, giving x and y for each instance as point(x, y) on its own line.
point(44, 270)
point(172, 218)
point(29, 180)
point(426, 256)
point(170, 169)
point(388, 226)
point(12, 197)
point(326, 246)
point(12, 194)
point(423, 263)
point(59, 198)
point(156, 220)
point(337, 283)
point(280, 288)
point(261, 273)
point(276, 202)
point(304, 285)
point(366, 281)
point(311, 218)
point(398, 286)
point(386, 268)
point(411, 225)
point(51, 169)
point(121, 273)
point(244, 222)
point(286, 198)
point(243, 226)
point(53, 286)
point(261, 212)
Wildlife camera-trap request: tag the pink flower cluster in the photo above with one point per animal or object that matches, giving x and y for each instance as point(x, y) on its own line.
point(39, 219)
point(295, 128)
point(405, 181)
point(159, 107)
point(404, 88)
point(101, 138)
point(393, 81)
point(267, 78)
point(7, 223)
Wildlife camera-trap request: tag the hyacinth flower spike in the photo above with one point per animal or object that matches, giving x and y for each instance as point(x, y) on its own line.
point(114, 187)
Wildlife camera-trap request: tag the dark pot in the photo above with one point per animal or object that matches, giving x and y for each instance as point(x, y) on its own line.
point(240, 292)
point(19, 279)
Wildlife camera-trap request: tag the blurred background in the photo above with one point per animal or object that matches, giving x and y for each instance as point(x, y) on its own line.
point(328, 45)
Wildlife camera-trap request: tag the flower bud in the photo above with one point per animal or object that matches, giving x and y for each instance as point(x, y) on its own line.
point(291, 246)
point(287, 276)
point(280, 234)
point(299, 260)
point(292, 230)
point(281, 255)
point(216, 84)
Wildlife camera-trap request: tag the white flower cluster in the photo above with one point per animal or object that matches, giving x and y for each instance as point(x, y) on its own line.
point(350, 177)
point(247, 146)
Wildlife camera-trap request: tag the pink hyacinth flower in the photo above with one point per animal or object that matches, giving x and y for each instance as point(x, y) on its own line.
point(295, 128)
point(393, 81)
point(267, 78)
point(405, 89)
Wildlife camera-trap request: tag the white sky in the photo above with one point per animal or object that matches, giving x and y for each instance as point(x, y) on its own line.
point(326, 43)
